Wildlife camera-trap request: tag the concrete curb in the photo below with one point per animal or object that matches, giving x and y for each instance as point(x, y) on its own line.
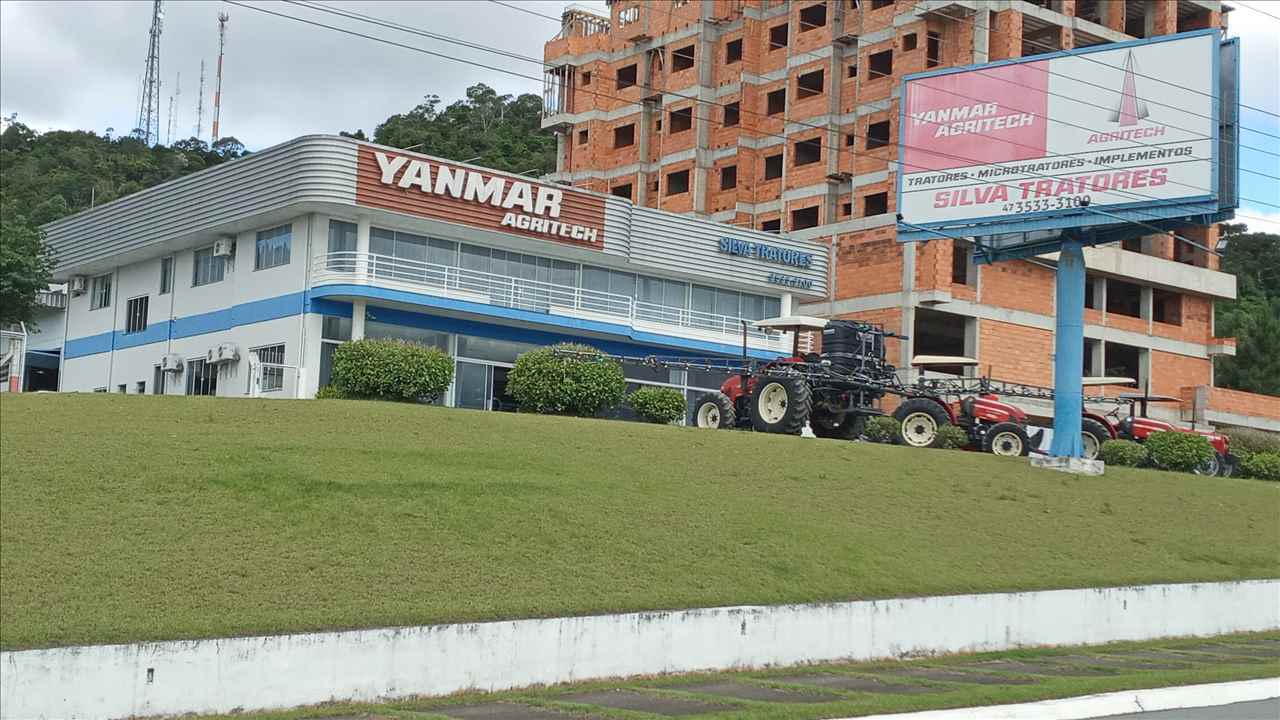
point(1106, 704)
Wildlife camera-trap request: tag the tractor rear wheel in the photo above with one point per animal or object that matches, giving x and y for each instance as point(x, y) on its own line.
point(1210, 467)
point(714, 410)
point(780, 404)
point(1092, 435)
point(921, 418)
point(839, 426)
point(1006, 439)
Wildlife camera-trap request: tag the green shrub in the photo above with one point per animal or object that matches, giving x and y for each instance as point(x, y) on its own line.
point(951, 437)
point(559, 383)
point(390, 370)
point(329, 392)
point(1179, 451)
point(658, 405)
point(1262, 465)
point(1252, 441)
point(1122, 452)
point(882, 428)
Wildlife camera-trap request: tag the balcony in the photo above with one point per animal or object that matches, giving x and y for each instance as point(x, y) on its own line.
point(560, 304)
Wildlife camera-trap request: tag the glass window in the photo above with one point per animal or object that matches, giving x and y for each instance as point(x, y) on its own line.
point(594, 278)
point(752, 307)
point(207, 268)
point(442, 252)
point(336, 328)
point(564, 273)
point(772, 307)
point(703, 299)
point(272, 377)
point(326, 362)
point(727, 303)
point(342, 236)
point(471, 386)
point(475, 258)
point(166, 275)
point(480, 348)
point(272, 248)
point(100, 293)
point(410, 247)
point(382, 242)
point(622, 283)
point(386, 331)
point(135, 317)
point(202, 378)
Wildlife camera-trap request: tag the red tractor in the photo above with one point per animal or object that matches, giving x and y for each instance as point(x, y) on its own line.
point(1138, 427)
point(968, 403)
point(832, 393)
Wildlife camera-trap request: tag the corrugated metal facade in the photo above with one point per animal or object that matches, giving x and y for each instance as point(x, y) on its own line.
point(306, 170)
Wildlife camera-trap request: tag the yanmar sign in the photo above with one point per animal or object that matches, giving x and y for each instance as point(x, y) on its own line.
point(440, 190)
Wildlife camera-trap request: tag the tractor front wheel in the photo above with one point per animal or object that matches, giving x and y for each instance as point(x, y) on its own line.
point(714, 410)
point(921, 418)
point(780, 405)
point(1006, 439)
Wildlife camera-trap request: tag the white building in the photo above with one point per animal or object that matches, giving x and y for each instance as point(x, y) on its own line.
point(278, 257)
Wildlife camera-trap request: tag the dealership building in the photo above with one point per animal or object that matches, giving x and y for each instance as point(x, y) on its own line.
point(242, 279)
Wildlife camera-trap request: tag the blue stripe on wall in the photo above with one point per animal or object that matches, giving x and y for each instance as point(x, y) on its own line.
point(200, 324)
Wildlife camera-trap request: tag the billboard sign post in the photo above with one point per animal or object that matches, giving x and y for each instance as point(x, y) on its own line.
point(1054, 152)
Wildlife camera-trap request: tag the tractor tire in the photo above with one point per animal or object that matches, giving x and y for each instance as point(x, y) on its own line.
point(921, 418)
point(837, 426)
point(1092, 435)
point(1210, 467)
point(715, 411)
point(1007, 440)
point(780, 404)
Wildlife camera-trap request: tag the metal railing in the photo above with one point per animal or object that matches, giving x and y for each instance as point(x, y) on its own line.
point(533, 295)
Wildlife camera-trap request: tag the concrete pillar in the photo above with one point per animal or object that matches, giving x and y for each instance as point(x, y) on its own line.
point(1098, 357)
point(1112, 14)
point(1100, 295)
point(1146, 303)
point(362, 246)
point(358, 308)
point(703, 113)
point(564, 146)
point(981, 36)
point(1161, 18)
point(788, 301)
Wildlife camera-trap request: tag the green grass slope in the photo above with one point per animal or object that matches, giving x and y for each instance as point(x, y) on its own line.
point(130, 518)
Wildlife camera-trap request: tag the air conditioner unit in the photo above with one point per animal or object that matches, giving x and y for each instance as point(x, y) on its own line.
point(224, 247)
point(211, 357)
point(79, 284)
point(228, 352)
point(171, 362)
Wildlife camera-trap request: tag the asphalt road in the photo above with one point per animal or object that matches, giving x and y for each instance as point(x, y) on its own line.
point(1256, 710)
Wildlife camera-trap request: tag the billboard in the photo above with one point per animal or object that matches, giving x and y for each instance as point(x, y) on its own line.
point(1088, 137)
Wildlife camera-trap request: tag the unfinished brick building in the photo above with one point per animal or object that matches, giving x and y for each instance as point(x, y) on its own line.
point(783, 115)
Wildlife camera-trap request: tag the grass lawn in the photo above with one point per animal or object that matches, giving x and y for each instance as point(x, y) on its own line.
point(129, 518)
point(1068, 672)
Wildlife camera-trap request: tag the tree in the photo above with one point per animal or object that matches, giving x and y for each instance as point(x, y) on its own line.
point(1253, 318)
point(26, 266)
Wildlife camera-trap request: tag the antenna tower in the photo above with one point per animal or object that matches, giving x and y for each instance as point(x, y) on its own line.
point(149, 108)
point(177, 94)
point(200, 104)
point(217, 93)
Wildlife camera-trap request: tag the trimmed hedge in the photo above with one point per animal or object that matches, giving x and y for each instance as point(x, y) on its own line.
point(1181, 451)
point(390, 370)
point(881, 428)
point(566, 379)
point(1122, 452)
point(1262, 465)
point(658, 405)
point(952, 437)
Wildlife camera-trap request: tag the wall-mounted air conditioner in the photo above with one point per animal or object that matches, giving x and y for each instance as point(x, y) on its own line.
point(79, 284)
point(224, 247)
point(172, 362)
point(228, 352)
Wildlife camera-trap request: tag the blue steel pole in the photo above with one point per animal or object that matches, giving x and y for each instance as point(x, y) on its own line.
point(1068, 351)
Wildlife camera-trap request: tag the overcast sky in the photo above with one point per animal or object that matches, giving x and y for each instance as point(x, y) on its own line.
point(69, 65)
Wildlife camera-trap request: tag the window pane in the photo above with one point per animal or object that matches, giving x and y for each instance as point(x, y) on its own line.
point(342, 236)
point(410, 247)
point(166, 275)
point(594, 278)
point(704, 299)
point(727, 303)
point(272, 247)
point(752, 306)
point(675, 294)
point(772, 307)
point(564, 273)
point(489, 349)
point(382, 242)
point(336, 328)
point(471, 386)
point(387, 331)
point(650, 290)
point(442, 252)
point(272, 377)
point(326, 363)
point(622, 283)
point(475, 258)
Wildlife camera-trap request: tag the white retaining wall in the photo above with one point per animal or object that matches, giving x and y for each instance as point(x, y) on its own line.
point(208, 676)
